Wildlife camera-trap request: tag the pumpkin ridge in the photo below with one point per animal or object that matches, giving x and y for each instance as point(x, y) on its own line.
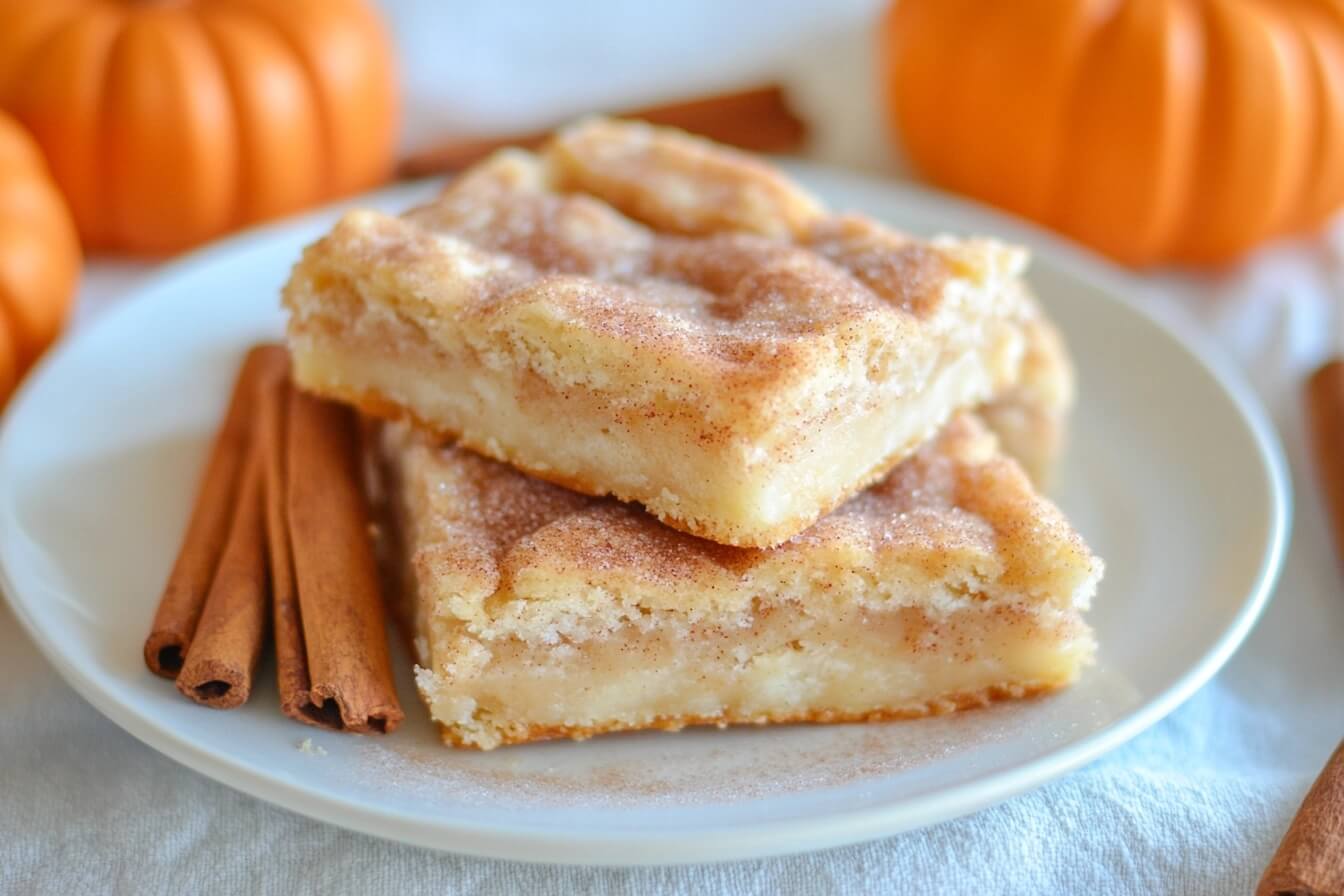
point(39, 255)
point(1055, 189)
point(1182, 130)
point(1321, 187)
point(354, 89)
point(1136, 202)
point(104, 231)
point(35, 44)
point(278, 133)
point(1300, 79)
point(34, 230)
point(1053, 126)
point(90, 173)
point(170, 144)
point(228, 215)
point(1232, 204)
point(325, 163)
point(1203, 138)
point(1186, 152)
point(164, 131)
point(209, 27)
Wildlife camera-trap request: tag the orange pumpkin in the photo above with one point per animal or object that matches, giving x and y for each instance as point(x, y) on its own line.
point(1153, 130)
point(39, 256)
point(166, 123)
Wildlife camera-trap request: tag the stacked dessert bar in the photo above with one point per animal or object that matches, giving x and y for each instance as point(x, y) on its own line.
point(673, 444)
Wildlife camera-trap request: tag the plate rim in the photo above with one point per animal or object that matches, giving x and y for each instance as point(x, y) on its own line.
point(518, 842)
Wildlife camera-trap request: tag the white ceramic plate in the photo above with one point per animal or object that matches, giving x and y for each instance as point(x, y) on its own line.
point(1174, 476)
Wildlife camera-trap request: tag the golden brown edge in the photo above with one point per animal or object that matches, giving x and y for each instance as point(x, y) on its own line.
point(940, 706)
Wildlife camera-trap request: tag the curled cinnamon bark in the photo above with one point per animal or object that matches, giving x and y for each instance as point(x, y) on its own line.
point(290, 653)
point(223, 655)
point(1325, 418)
point(330, 628)
point(1310, 860)
point(184, 595)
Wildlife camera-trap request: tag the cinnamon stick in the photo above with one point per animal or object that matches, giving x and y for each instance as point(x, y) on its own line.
point(290, 653)
point(759, 120)
point(1310, 860)
point(223, 655)
point(1325, 420)
point(184, 595)
point(331, 641)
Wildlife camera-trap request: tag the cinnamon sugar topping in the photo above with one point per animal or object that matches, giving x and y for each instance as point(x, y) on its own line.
point(955, 505)
point(547, 614)
point(671, 243)
point(634, 312)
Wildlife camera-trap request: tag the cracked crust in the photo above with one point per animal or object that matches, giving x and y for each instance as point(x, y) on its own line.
point(638, 313)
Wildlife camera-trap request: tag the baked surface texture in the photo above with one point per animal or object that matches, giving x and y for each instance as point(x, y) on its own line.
point(537, 612)
point(638, 313)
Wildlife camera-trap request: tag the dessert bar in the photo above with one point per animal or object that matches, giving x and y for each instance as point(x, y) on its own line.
point(639, 313)
point(537, 612)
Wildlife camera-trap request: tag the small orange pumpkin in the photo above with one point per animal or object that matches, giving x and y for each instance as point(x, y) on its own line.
point(39, 256)
point(1153, 130)
point(167, 123)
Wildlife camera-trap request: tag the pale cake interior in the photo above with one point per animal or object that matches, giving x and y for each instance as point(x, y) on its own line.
point(538, 612)
point(642, 314)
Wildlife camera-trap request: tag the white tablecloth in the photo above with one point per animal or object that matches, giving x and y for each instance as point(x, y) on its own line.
point(1194, 806)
